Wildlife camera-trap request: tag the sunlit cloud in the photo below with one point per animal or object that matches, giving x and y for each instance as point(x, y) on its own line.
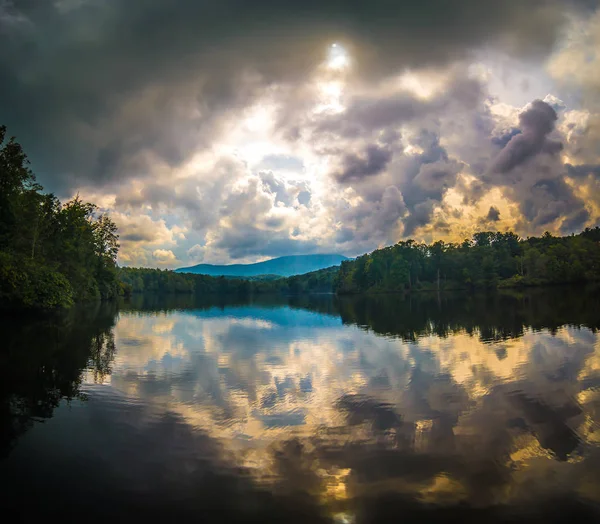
point(338, 58)
point(252, 384)
point(371, 130)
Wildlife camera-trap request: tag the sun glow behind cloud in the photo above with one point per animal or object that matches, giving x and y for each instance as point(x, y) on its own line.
point(356, 147)
point(338, 58)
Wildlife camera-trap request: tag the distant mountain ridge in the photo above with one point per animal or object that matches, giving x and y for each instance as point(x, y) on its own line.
point(286, 266)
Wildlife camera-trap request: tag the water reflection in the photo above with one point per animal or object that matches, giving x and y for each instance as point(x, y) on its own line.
point(357, 410)
point(42, 360)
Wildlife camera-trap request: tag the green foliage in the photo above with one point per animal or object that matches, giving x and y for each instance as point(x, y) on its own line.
point(488, 260)
point(141, 280)
point(50, 254)
point(31, 285)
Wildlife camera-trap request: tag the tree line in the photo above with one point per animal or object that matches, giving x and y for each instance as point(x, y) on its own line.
point(51, 254)
point(488, 260)
point(144, 280)
point(54, 254)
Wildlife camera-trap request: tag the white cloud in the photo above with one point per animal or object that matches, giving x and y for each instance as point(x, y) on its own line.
point(164, 257)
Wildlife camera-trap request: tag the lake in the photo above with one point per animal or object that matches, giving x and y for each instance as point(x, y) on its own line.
point(306, 409)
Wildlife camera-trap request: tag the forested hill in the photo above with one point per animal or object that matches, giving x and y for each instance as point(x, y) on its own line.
point(283, 266)
point(143, 280)
point(488, 260)
point(51, 254)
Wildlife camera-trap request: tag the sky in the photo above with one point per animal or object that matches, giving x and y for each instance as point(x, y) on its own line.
point(233, 131)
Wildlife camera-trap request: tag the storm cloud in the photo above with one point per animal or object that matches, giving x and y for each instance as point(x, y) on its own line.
point(100, 90)
point(530, 170)
point(372, 162)
point(228, 128)
point(537, 122)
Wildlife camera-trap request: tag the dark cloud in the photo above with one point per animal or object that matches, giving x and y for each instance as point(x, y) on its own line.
point(575, 223)
point(365, 115)
point(372, 221)
point(371, 162)
point(503, 139)
point(435, 177)
point(493, 214)
point(538, 119)
point(424, 178)
point(392, 208)
point(408, 189)
point(537, 122)
point(102, 89)
point(428, 174)
point(583, 170)
point(548, 200)
point(343, 235)
point(528, 167)
point(531, 173)
point(420, 215)
point(249, 240)
point(137, 237)
point(441, 226)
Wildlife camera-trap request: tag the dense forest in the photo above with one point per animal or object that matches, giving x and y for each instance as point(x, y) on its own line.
point(488, 260)
point(142, 280)
point(51, 254)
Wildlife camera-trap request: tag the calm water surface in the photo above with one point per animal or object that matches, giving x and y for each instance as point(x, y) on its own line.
point(314, 409)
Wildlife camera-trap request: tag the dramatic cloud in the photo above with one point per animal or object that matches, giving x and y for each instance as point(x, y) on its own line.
point(242, 130)
point(536, 123)
point(116, 85)
point(374, 160)
point(493, 214)
point(533, 174)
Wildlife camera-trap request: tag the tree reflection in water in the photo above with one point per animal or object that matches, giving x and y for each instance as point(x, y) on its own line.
point(42, 361)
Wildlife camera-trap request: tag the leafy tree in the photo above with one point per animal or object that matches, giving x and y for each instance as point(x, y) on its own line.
point(488, 260)
point(50, 254)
